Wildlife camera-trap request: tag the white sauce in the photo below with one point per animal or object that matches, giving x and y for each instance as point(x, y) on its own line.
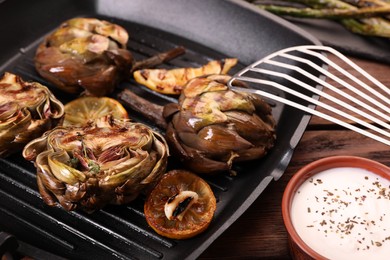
point(344, 213)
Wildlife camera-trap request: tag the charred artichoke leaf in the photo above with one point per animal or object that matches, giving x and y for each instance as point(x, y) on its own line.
point(109, 161)
point(135, 174)
point(27, 110)
point(251, 127)
point(13, 118)
point(127, 167)
point(8, 112)
point(58, 163)
point(100, 27)
point(212, 126)
point(205, 102)
point(87, 47)
point(65, 34)
point(215, 140)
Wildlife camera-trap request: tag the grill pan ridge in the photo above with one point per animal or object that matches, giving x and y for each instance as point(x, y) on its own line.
point(121, 232)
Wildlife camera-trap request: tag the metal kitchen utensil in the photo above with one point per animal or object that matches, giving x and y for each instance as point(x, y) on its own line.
point(289, 66)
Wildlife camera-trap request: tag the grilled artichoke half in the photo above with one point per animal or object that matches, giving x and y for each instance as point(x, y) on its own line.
point(108, 162)
point(27, 110)
point(212, 126)
point(85, 53)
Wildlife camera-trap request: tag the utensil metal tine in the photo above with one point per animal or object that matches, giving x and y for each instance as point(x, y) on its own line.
point(353, 78)
point(325, 95)
point(350, 63)
point(313, 51)
point(345, 84)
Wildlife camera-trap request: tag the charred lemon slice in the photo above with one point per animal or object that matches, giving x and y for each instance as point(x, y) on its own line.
point(83, 110)
point(180, 206)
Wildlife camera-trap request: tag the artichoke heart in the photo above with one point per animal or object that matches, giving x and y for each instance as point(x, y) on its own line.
point(32, 111)
point(213, 127)
point(108, 162)
point(85, 54)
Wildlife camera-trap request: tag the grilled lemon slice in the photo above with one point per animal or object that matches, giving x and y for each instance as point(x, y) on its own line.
point(84, 110)
point(181, 205)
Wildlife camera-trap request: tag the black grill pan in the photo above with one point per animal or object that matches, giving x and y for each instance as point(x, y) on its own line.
point(208, 29)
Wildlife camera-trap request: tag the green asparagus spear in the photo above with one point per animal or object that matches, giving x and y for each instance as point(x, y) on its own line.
point(366, 17)
point(356, 13)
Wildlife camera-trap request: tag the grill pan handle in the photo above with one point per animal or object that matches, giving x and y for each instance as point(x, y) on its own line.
point(8, 245)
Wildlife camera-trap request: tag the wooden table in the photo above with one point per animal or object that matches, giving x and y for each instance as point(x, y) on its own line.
point(259, 233)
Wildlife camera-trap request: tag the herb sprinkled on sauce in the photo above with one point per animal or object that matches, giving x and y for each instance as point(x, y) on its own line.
point(349, 214)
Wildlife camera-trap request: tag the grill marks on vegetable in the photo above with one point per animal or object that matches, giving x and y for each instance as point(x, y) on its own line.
point(172, 81)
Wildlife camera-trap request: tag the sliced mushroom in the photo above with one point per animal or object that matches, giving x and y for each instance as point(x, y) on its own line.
point(177, 205)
